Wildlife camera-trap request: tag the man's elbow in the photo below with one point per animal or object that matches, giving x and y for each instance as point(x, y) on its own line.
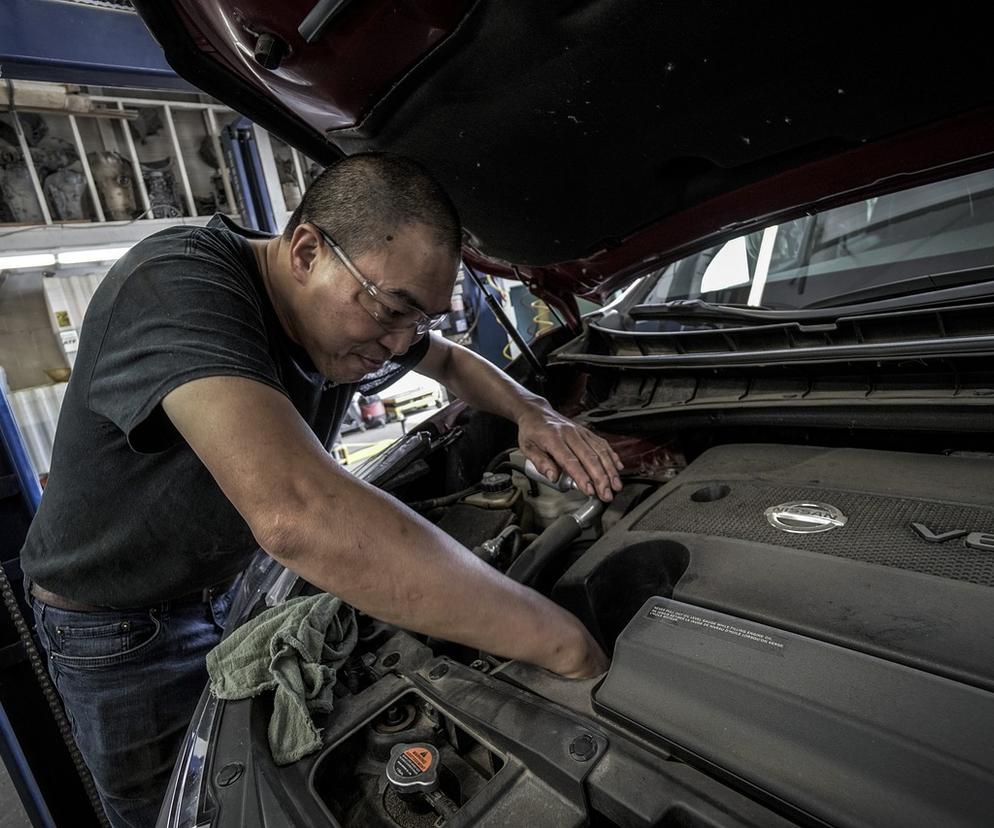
point(299, 540)
point(278, 533)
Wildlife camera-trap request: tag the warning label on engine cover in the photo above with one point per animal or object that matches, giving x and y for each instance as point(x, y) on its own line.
point(758, 640)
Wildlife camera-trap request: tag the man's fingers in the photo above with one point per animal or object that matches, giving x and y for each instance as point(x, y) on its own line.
point(609, 460)
point(543, 461)
point(617, 459)
point(598, 466)
point(583, 455)
point(583, 465)
point(555, 460)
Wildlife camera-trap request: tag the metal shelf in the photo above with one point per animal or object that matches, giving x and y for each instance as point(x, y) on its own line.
point(105, 111)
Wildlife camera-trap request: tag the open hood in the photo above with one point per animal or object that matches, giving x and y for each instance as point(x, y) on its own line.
point(584, 142)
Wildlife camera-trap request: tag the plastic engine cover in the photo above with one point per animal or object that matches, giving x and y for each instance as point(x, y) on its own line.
point(827, 732)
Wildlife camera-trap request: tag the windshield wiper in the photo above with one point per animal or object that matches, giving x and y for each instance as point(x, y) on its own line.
point(697, 310)
point(910, 289)
point(945, 289)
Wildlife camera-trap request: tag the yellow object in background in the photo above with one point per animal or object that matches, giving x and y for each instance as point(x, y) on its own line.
point(350, 453)
point(399, 405)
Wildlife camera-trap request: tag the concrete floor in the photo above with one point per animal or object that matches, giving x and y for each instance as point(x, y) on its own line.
point(12, 813)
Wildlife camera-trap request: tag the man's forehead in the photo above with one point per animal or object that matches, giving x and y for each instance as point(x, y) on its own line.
point(416, 269)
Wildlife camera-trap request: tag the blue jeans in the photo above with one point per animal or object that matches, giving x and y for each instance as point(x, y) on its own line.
point(130, 681)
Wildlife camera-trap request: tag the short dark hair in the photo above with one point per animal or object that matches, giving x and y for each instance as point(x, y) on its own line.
point(364, 197)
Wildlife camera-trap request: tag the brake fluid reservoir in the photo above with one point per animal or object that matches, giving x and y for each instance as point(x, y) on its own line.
point(496, 492)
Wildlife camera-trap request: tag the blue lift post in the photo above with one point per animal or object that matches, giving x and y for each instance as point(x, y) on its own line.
point(242, 156)
point(244, 200)
point(22, 777)
point(17, 454)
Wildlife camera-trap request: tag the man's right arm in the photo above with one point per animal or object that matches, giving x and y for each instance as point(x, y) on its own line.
point(350, 539)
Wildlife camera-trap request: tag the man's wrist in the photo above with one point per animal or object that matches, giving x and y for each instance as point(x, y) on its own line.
point(532, 406)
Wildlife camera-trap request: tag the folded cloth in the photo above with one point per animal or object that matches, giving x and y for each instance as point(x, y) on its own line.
point(294, 649)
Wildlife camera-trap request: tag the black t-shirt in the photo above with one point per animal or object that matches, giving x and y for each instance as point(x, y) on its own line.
point(130, 516)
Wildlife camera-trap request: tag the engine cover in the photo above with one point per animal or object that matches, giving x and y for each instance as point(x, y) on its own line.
point(896, 508)
point(815, 625)
point(905, 572)
point(818, 730)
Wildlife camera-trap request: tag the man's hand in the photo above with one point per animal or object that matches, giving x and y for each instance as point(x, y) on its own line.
point(556, 444)
point(552, 442)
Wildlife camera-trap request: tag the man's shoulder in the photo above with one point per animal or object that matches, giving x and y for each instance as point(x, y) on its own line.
point(178, 260)
point(219, 242)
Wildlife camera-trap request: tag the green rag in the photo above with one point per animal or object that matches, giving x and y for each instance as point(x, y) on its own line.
point(294, 649)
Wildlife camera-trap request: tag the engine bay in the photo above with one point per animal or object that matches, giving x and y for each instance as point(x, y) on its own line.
point(799, 635)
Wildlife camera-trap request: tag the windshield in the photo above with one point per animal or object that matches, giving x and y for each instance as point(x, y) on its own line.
point(899, 243)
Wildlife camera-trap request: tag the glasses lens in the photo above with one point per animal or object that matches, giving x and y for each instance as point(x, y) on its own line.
point(393, 319)
point(392, 314)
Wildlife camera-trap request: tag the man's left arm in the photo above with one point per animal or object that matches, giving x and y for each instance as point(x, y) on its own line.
point(551, 441)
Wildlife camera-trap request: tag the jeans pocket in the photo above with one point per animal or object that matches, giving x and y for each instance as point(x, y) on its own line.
point(221, 606)
point(99, 639)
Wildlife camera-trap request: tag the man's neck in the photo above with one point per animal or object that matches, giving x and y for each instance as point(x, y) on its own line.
point(267, 257)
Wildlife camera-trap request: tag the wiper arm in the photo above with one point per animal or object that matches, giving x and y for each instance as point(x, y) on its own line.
point(910, 289)
point(980, 285)
point(698, 310)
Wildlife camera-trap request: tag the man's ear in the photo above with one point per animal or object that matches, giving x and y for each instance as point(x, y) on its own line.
point(304, 247)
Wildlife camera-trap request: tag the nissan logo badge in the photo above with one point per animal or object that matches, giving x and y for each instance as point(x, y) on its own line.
point(804, 518)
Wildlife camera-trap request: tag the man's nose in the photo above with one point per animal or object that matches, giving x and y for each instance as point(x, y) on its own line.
point(397, 342)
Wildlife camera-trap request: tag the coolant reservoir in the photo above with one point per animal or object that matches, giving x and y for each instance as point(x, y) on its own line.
point(549, 503)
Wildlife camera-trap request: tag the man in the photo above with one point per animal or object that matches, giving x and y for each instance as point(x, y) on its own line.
point(214, 368)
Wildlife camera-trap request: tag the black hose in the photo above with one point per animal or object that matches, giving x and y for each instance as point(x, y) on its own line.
point(516, 542)
point(510, 467)
point(500, 458)
point(540, 552)
point(51, 696)
point(446, 500)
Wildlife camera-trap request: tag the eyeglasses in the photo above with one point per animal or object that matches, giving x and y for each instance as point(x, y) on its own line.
point(391, 313)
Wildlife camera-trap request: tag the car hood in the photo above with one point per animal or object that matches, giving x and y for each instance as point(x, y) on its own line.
point(584, 142)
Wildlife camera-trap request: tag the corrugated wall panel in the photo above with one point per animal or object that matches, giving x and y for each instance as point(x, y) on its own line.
point(67, 298)
point(37, 413)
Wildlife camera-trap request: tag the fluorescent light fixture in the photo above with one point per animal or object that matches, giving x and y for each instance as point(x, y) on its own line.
point(27, 260)
point(94, 254)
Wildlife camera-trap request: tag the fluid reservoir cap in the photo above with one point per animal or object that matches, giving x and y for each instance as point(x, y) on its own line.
point(413, 768)
point(498, 482)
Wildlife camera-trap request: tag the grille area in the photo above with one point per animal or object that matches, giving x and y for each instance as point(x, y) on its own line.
point(878, 531)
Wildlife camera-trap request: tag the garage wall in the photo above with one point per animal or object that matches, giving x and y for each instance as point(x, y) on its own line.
point(37, 413)
point(28, 347)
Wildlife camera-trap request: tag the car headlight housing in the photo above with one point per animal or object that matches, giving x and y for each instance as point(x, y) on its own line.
point(187, 804)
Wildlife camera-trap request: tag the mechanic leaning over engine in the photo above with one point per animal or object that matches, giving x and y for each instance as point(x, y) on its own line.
point(215, 366)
